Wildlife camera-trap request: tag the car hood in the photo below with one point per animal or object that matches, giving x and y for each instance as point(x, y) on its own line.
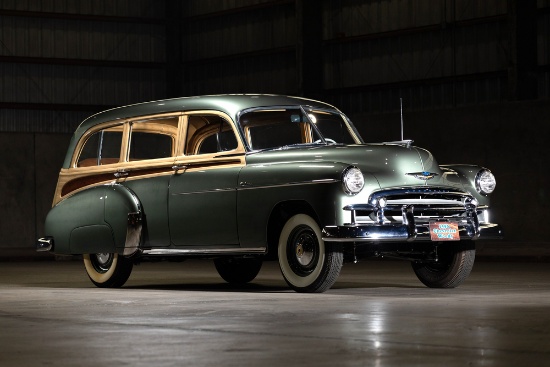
point(390, 165)
point(397, 165)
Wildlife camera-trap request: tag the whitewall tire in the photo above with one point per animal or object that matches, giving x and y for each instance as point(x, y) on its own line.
point(107, 270)
point(307, 263)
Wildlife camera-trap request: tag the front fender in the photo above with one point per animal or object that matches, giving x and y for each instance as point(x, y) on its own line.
point(289, 173)
point(263, 187)
point(467, 174)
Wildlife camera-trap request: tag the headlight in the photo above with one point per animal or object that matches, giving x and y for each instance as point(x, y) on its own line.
point(353, 180)
point(485, 182)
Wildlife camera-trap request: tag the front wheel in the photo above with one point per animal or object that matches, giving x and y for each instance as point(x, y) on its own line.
point(307, 263)
point(108, 270)
point(451, 269)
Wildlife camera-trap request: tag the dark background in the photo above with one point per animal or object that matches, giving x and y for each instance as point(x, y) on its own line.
point(474, 77)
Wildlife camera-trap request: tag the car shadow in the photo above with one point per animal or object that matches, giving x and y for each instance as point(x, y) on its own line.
point(349, 285)
point(213, 287)
point(258, 287)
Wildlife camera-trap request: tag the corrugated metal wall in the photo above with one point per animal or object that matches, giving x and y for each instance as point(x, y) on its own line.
point(543, 48)
point(61, 60)
point(249, 47)
point(433, 54)
point(118, 8)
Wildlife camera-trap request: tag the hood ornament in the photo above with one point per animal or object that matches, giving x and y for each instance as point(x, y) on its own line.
point(424, 176)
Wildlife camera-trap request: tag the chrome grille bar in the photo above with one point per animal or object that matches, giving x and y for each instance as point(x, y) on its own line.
point(435, 202)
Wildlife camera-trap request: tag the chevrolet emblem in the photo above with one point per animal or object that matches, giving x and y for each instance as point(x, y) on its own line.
point(422, 175)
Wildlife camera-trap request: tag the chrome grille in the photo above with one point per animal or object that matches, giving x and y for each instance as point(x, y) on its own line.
point(425, 204)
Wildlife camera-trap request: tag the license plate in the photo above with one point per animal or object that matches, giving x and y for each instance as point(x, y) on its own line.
point(444, 231)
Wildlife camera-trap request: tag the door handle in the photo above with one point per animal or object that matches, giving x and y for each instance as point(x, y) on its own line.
point(120, 174)
point(179, 167)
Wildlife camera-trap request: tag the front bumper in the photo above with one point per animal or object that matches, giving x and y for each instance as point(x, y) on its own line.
point(401, 232)
point(441, 204)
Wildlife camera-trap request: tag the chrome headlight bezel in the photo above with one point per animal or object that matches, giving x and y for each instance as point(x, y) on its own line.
point(353, 180)
point(485, 182)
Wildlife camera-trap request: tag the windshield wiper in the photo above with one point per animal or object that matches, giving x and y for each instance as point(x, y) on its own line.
point(288, 146)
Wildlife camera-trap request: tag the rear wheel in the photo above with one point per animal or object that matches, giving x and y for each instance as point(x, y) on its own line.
point(108, 270)
point(451, 269)
point(308, 264)
point(238, 271)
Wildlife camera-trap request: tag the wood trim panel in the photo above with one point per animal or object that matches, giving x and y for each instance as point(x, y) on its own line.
point(91, 180)
point(74, 179)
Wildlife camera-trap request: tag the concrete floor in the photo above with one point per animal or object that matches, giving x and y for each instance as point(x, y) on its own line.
point(377, 314)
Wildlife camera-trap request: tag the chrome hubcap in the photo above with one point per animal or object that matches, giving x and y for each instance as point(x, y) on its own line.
point(304, 253)
point(103, 259)
point(102, 262)
point(302, 250)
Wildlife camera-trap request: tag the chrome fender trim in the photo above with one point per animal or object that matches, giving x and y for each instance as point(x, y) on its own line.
point(132, 242)
point(204, 251)
point(133, 234)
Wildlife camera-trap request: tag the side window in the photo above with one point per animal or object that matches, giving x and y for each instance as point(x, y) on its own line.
point(209, 134)
point(150, 146)
point(102, 148)
point(275, 135)
point(152, 139)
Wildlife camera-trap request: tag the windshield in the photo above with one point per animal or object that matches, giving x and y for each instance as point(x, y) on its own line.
point(284, 127)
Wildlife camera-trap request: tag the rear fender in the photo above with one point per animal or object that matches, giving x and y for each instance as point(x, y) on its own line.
point(77, 223)
point(105, 218)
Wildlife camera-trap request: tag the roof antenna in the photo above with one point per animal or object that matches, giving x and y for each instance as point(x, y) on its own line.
point(406, 143)
point(401, 105)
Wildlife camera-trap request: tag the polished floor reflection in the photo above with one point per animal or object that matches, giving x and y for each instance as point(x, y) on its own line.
point(182, 314)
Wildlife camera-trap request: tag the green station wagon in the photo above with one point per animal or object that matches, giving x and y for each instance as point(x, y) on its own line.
point(242, 179)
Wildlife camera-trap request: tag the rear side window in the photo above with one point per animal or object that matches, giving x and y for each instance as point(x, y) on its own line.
point(150, 146)
point(102, 148)
point(152, 139)
point(209, 134)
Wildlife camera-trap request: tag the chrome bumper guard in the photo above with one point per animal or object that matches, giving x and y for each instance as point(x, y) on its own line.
point(410, 229)
point(44, 244)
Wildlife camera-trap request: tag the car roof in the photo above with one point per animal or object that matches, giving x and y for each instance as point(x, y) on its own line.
point(230, 104)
